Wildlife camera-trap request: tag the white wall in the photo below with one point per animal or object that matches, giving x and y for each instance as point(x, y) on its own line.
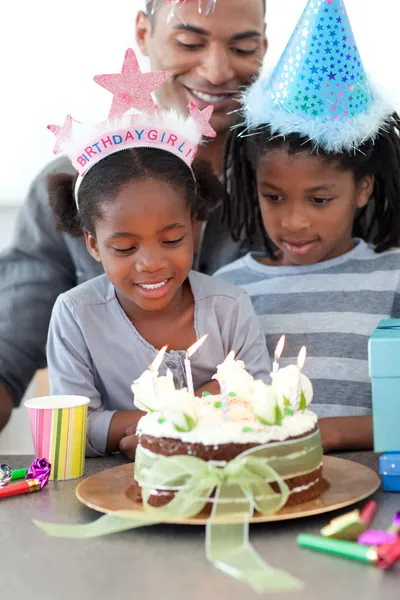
point(51, 49)
point(16, 437)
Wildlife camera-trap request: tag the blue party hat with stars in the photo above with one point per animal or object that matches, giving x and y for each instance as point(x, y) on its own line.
point(319, 87)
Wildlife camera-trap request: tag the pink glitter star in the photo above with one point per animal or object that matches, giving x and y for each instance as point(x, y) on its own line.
point(202, 118)
point(62, 133)
point(131, 88)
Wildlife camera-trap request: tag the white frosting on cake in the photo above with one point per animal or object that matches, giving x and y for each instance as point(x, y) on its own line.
point(241, 426)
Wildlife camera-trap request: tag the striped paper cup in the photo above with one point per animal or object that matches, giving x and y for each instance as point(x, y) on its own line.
point(58, 425)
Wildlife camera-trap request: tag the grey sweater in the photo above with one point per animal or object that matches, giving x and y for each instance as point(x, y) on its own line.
point(95, 351)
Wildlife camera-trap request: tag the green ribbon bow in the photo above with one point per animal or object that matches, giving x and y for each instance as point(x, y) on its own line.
point(235, 489)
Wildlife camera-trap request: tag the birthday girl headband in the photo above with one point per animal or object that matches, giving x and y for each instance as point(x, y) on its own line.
point(319, 88)
point(148, 127)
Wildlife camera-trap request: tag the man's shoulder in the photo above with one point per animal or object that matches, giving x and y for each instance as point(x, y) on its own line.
point(62, 164)
point(38, 199)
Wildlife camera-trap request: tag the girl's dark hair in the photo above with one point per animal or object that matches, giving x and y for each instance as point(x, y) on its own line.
point(378, 222)
point(101, 185)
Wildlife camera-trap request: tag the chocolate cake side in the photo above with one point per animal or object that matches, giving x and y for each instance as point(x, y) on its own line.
point(303, 488)
point(175, 447)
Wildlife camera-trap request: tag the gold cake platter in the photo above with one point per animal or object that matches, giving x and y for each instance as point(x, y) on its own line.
point(349, 482)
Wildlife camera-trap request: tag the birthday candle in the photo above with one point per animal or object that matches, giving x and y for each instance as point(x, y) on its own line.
point(300, 364)
point(188, 370)
point(277, 354)
point(155, 365)
point(224, 396)
point(224, 387)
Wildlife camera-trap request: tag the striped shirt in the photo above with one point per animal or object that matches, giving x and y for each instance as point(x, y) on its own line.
point(331, 307)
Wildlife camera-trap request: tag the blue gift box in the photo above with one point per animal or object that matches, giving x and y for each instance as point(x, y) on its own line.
point(389, 468)
point(384, 369)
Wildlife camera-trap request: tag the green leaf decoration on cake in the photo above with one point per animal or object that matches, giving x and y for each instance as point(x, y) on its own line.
point(161, 420)
point(264, 404)
point(205, 394)
point(264, 422)
point(218, 404)
point(289, 411)
point(303, 401)
point(247, 430)
point(277, 421)
point(285, 382)
point(278, 415)
point(191, 423)
point(232, 394)
point(179, 409)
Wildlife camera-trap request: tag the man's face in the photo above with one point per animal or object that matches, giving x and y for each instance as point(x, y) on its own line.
point(211, 57)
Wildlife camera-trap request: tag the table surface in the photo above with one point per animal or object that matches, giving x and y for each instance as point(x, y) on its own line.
point(166, 561)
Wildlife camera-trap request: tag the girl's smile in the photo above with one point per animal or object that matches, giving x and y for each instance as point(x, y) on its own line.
point(155, 290)
point(300, 248)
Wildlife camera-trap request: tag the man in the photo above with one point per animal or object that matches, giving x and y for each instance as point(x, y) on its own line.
point(211, 57)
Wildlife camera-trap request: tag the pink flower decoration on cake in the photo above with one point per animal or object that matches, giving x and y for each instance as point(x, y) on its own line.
point(62, 133)
point(131, 88)
point(202, 118)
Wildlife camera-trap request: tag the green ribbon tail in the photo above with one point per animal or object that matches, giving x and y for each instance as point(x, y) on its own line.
point(228, 549)
point(121, 520)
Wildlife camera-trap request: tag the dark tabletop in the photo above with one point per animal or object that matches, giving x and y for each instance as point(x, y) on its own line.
point(166, 562)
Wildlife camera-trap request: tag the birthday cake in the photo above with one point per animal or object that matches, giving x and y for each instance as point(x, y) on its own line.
point(248, 418)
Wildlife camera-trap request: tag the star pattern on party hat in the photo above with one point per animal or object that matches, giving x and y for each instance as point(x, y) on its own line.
point(62, 133)
point(323, 63)
point(131, 88)
point(319, 87)
point(202, 119)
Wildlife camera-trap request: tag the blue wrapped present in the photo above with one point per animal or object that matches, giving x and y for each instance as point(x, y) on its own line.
point(384, 369)
point(389, 468)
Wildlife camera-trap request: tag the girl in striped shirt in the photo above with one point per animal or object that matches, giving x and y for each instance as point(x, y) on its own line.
point(316, 168)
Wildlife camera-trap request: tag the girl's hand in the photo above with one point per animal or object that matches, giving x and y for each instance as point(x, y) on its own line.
point(122, 422)
point(211, 386)
point(129, 443)
point(329, 434)
point(346, 433)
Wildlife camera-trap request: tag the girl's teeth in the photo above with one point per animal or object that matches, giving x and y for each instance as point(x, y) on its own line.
point(208, 97)
point(152, 286)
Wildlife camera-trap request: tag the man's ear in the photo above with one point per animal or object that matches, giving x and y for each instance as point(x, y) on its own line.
point(365, 190)
point(143, 32)
point(91, 245)
point(265, 40)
